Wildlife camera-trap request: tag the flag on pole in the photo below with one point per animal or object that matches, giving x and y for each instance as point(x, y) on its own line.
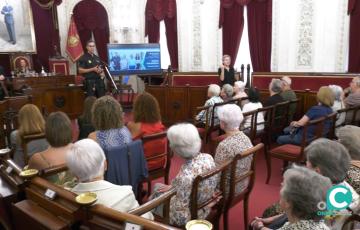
point(73, 45)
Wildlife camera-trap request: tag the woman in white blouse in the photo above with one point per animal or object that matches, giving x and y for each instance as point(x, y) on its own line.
point(254, 104)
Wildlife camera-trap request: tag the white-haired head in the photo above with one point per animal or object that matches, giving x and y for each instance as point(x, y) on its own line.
point(239, 86)
point(337, 90)
point(286, 80)
point(184, 140)
point(227, 91)
point(86, 160)
point(214, 90)
point(230, 116)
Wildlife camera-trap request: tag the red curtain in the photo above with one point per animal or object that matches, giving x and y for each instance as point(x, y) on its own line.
point(232, 23)
point(354, 46)
point(259, 16)
point(91, 17)
point(156, 11)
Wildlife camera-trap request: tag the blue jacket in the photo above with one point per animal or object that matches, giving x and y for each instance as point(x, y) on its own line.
point(8, 12)
point(126, 165)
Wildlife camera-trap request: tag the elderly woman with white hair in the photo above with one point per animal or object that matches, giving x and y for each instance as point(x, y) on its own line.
point(214, 97)
point(302, 190)
point(235, 142)
point(185, 142)
point(86, 161)
point(227, 92)
point(239, 90)
point(349, 136)
point(338, 103)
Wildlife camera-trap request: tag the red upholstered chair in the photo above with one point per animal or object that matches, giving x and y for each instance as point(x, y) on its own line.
point(295, 153)
point(162, 154)
point(233, 198)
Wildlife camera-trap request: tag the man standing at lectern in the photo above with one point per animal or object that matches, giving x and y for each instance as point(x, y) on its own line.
point(90, 68)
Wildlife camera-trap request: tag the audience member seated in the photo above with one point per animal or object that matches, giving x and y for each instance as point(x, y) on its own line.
point(239, 90)
point(107, 118)
point(30, 121)
point(338, 103)
point(349, 136)
point(227, 92)
point(254, 104)
point(147, 120)
point(288, 95)
point(332, 160)
point(275, 88)
point(185, 142)
point(353, 99)
point(214, 97)
point(236, 142)
point(293, 133)
point(84, 121)
point(86, 160)
point(301, 192)
point(58, 134)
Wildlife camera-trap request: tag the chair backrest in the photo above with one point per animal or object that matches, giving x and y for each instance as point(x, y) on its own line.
point(101, 217)
point(10, 171)
point(63, 205)
point(234, 197)
point(317, 127)
point(53, 170)
point(25, 140)
point(251, 130)
point(293, 104)
point(10, 120)
point(352, 116)
point(207, 110)
point(159, 150)
point(216, 199)
point(280, 116)
point(268, 114)
point(332, 119)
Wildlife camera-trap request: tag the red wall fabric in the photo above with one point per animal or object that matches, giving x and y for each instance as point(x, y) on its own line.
point(354, 45)
point(156, 11)
point(91, 16)
point(259, 29)
point(232, 23)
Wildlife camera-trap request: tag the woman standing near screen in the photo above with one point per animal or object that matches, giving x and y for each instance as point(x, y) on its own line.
point(227, 72)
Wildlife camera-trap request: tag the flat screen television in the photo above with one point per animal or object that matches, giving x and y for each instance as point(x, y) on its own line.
point(127, 59)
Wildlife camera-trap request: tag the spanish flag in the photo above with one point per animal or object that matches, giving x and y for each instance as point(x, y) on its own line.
point(73, 45)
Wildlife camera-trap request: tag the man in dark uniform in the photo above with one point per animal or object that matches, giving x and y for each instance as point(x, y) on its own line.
point(89, 67)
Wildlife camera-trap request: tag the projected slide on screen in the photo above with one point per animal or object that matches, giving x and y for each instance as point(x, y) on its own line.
point(127, 59)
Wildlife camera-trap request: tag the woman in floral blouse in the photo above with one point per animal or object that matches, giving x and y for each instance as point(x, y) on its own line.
point(185, 142)
point(236, 142)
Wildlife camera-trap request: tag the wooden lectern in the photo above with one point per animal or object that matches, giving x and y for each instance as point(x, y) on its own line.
point(59, 66)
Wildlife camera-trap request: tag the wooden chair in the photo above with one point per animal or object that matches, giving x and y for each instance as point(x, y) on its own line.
point(233, 198)
point(293, 103)
point(26, 140)
point(101, 218)
point(53, 170)
point(352, 116)
point(280, 117)
point(251, 130)
point(163, 199)
point(10, 120)
point(215, 202)
point(203, 127)
point(165, 154)
point(295, 153)
point(63, 206)
point(332, 119)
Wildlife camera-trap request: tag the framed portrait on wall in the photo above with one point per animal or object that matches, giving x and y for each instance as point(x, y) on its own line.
point(16, 27)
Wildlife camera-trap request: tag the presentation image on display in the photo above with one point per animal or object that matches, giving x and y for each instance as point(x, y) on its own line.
point(134, 58)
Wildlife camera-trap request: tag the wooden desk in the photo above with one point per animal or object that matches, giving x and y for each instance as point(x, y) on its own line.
point(41, 82)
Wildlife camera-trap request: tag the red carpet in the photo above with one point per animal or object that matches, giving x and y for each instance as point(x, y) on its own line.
point(261, 197)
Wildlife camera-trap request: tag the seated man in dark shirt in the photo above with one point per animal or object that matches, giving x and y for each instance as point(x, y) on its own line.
point(275, 88)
